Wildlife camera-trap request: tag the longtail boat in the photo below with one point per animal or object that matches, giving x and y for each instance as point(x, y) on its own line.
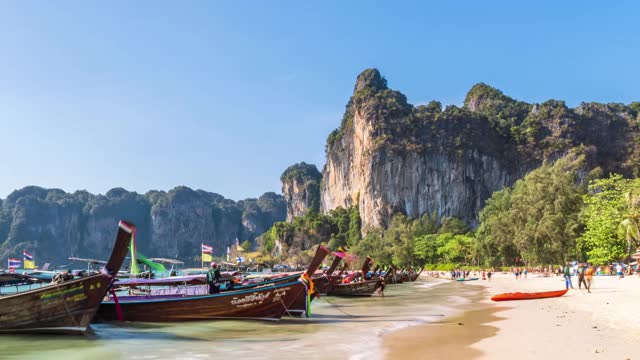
point(267, 302)
point(404, 275)
point(396, 276)
point(414, 276)
point(323, 283)
point(7, 279)
point(67, 307)
point(357, 288)
point(528, 296)
point(388, 274)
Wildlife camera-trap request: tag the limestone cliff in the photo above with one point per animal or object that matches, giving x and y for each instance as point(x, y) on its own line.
point(54, 225)
point(391, 157)
point(301, 189)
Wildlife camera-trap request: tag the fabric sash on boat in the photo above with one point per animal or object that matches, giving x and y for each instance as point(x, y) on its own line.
point(309, 290)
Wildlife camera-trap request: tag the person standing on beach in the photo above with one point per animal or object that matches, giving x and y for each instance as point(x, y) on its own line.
point(567, 276)
point(489, 275)
point(525, 272)
point(581, 281)
point(588, 275)
point(619, 271)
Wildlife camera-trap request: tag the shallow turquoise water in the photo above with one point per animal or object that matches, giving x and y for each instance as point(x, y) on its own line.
point(339, 328)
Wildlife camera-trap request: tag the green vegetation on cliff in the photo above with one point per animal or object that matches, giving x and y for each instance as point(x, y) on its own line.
point(339, 227)
point(306, 178)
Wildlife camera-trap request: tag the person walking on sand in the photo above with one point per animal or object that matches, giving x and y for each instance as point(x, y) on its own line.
point(525, 272)
point(567, 276)
point(581, 281)
point(619, 271)
point(588, 275)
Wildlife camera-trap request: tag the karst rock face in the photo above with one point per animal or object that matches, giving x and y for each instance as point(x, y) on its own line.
point(391, 157)
point(301, 189)
point(54, 225)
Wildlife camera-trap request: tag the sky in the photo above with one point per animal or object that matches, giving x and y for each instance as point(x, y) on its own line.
point(224, 96)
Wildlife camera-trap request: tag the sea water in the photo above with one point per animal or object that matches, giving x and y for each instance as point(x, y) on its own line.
point(339, 328)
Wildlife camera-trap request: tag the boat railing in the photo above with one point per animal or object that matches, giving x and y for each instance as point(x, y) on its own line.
point(18, 288)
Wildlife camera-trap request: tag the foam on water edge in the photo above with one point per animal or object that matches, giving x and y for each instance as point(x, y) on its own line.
point(369, 349)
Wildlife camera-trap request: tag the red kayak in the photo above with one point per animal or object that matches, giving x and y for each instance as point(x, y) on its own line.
point(528, 296)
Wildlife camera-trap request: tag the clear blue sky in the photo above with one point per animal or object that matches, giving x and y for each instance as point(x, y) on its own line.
point(224, 96)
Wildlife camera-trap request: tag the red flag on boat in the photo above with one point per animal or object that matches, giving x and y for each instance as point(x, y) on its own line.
point(14, 263)
point(206, 249)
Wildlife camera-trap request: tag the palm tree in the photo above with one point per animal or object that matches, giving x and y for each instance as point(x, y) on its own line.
point(630, 226)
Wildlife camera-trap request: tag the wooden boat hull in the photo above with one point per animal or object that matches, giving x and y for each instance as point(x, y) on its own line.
point(361, 288)
point(528, 296)
point(414, 276)
point(322, 285)
point(68, 307)
point(266, 302)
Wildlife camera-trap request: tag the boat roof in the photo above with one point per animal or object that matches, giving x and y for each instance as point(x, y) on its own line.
point(167, 261)
point(189, 279)
point(93, 261)
point(197, 279)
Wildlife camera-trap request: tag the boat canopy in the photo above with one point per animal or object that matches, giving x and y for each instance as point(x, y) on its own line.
point(167, 261)
point(91, 261)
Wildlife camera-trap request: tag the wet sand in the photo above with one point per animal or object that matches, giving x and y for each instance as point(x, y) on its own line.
point(451, 337)
point(602, 325)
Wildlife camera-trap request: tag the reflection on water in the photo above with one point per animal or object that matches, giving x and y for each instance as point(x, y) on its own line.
point(340, 328)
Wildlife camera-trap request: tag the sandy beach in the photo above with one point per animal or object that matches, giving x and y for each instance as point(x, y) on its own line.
point(603, 324)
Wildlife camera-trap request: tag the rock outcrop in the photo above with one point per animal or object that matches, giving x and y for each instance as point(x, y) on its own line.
point(54, 225)
point(301, 189)
point(390, 157)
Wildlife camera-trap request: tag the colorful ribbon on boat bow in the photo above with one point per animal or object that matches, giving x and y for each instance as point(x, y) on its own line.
point(309, 289)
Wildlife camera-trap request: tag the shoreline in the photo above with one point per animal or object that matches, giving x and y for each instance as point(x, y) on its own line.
point(600, 325)
point(452, 337)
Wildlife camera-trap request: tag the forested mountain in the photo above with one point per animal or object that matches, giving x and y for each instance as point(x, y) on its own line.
point(405, 170)
point(54, 225)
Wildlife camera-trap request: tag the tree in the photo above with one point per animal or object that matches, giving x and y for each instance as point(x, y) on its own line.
point(354, 226)
point(610, 218)
point(630, 226)
point(426, 249)
point(495, 233)
point(247, 245)
point(538, 219)
point(375, 245)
